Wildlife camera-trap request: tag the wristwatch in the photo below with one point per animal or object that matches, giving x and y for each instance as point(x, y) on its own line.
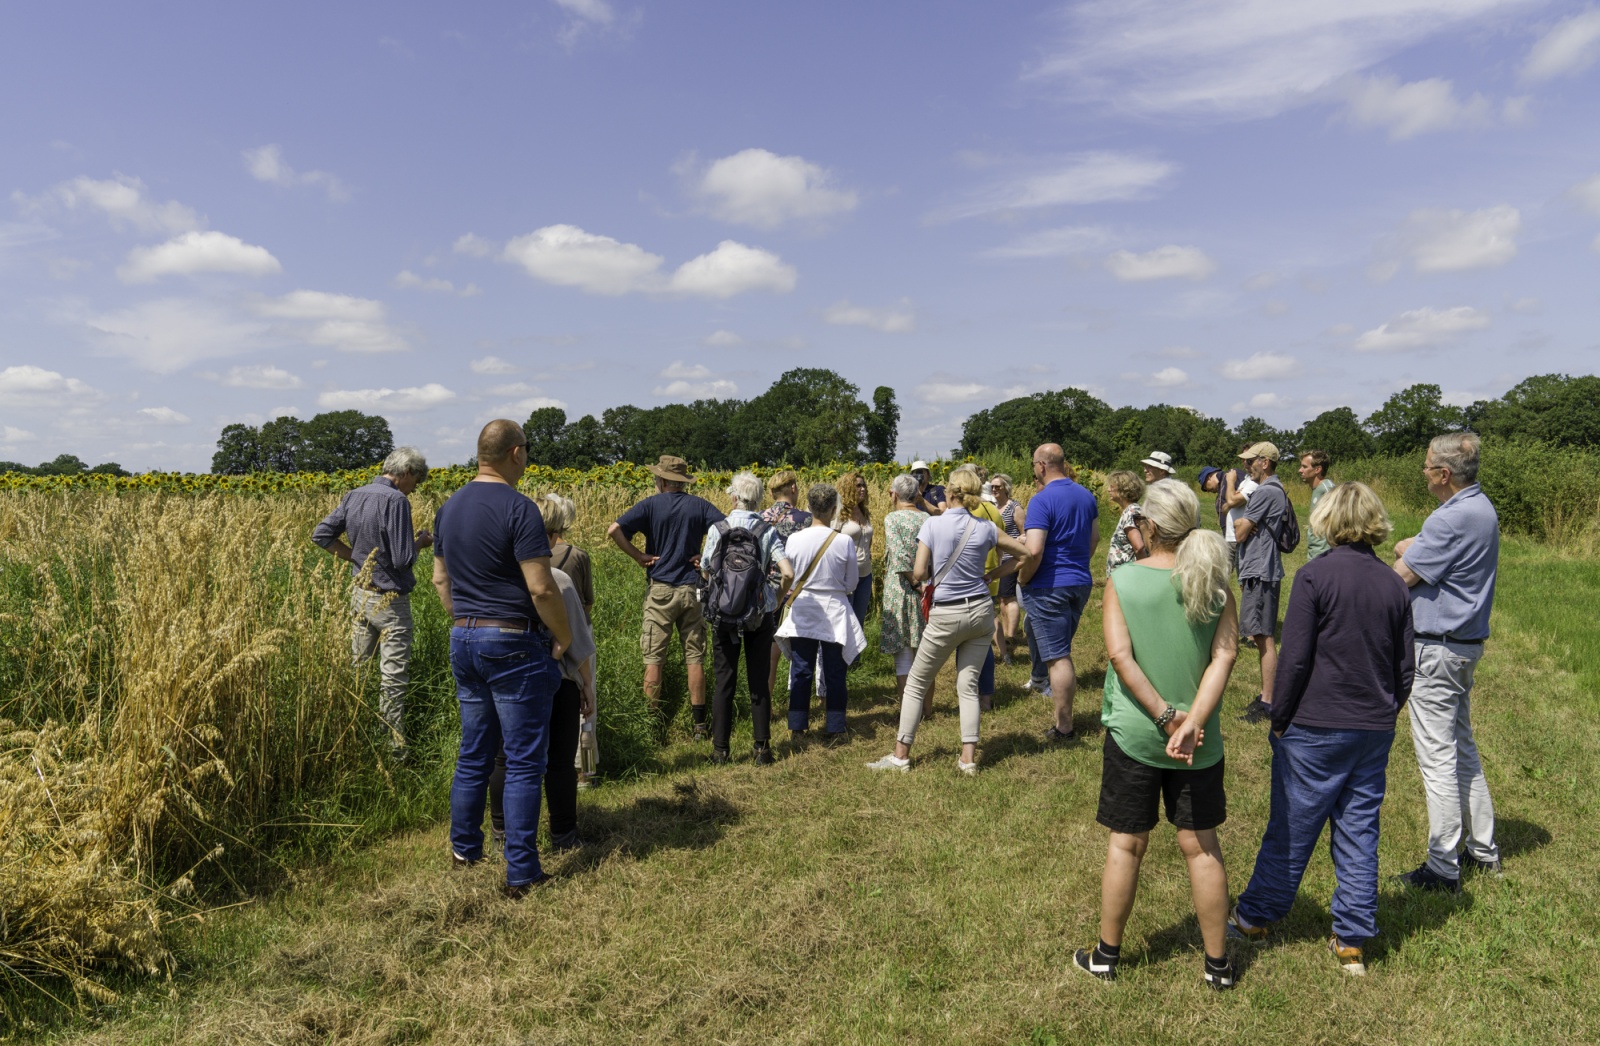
point(1164, 718)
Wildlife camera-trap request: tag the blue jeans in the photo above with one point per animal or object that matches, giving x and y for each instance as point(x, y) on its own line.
point(1322, 777)
point(1055, 613)
point(506, 681)
point(802, 672)
point(986, 675)
point(861, 599)
point(1038, 671)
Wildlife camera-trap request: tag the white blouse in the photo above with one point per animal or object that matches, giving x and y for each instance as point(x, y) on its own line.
point(822, 609)
point(862, 536)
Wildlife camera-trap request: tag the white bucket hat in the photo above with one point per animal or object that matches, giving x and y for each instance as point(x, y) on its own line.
point(1160, 459)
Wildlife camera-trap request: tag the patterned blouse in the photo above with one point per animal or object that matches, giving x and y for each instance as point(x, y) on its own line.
point(1121, 550)
point(901, 621)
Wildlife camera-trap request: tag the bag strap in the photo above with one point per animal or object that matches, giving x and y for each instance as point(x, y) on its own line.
point(811, 567)
point(972, 521)
point(564, 557)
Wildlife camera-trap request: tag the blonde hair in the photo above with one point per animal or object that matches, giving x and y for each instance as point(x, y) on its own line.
point(846, 486)
point(1125, 485)
point(1200, 573)
point(780, 480)
point(1004, 480)
point(962, 488)
point(558, 512)
point(1351, 514)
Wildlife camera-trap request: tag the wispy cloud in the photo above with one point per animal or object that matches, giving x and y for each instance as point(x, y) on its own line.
point(898, 319)
point(1163, 263)
point(1086, 178)
point(1570, 47)
point(266, 164)
point(1422, 329)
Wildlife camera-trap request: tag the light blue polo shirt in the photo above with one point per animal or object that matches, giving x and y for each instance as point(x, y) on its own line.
point(1456, 556)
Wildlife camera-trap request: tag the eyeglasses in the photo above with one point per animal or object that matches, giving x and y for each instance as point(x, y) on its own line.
point(1436, 468)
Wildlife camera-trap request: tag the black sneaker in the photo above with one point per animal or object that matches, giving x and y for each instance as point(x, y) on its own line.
point(763, 754)
point(1256, 711)
point(702, 731)
point(721, 757)
point(1470, 863)
point(565, 841)
point(521, 890)
point(1217, 978)
point(1090, 961)
point(1055, 736)
point(1425, 878)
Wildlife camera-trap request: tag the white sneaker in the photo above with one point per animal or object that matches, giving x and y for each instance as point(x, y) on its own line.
point(889, 762)
point(970, 769)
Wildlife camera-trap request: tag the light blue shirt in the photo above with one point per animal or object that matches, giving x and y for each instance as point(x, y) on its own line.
point(771, 547)
point(965, 576)
point(1456, 556)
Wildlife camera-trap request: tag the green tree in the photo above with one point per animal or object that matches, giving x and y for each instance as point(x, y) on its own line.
point(1339, 432)
point(238, 451)
point(1553, 408)
point(1255, 430)
point(282, 445)
point(1410, 418)
point(62, 465)
point(544, 430)
point(808, 416)
point(15, 466)
point(883, 425)
point(107, 468)
point(583, 442)
point(1081, 423)
point(343, 439)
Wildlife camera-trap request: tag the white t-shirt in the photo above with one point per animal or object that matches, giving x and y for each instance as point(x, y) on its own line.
point(1246, 485)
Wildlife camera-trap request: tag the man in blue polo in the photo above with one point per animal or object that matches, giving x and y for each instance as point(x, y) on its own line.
point(1261, 568)
point(491, 567)
point(1451, 569)
point(1063, 530)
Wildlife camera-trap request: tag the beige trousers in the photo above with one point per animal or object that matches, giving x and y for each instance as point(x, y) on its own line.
point(964, 629)
point(381, 622)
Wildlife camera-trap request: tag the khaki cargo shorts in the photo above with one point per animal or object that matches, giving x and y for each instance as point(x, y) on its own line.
point(664, 607)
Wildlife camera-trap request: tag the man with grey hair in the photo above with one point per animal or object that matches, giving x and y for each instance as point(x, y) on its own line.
point(381, 551)
point(1450, 568)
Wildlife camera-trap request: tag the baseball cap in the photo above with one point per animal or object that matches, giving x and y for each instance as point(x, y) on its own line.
point(1261, 450)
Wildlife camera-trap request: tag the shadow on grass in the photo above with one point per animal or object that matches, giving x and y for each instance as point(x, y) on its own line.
point(1517, 837)
point(693, 817)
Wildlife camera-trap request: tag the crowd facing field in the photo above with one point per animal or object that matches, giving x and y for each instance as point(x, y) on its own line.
point(1360, 641)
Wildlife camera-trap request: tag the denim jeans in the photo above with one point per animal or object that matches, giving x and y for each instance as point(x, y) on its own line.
point(1322, 777)
point(1055, 613)
point(1038, 670)
point(560, 774)
point(506, 682)
point(861, 599)
point(802, 673)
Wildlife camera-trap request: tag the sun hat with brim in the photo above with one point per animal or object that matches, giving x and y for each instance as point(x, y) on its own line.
point(1261, 450)
point(1160, 459)
point(672, 469)
point(1206, 473)
point(919, 466)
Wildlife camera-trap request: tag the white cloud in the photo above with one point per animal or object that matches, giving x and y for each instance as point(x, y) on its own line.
point(567, 256)
point(1165, 378)
point(1526, 306)
point(1239, 59)
point(1261, 281)
point(901, 320)
point(1451, 241)
point(492, 365)
point(165, 416)
point(1163, 263)
point(384, 401)
point(1408, 110)
point(1263, 401)
point(1095, 177)
point(696, 381)
point(194, 252)
point(408, 279)
point(597, 11)
point(1571, 47)
point(723, 339)
point(733, 269)
point(1179, 352)
point(1587, 195)
point(474, 245)
point(123, 200)
point(168, 334)
point(1421, 329)
point(266, 164)
point(1052, 243)
point(30, 386)
point(12, 434)
point(336, 321)
point(760, 188)
point(1262, 366)
point(680, 369)
point(260, 376)
point(952, 391)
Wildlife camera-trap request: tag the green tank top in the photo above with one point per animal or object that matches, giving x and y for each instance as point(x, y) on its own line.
point(1173, 655)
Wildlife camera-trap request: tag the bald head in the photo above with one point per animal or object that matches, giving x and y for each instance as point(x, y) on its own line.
point(497, 440)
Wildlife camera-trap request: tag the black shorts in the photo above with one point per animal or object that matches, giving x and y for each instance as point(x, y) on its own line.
point(1131, 791)
point(1008, 587)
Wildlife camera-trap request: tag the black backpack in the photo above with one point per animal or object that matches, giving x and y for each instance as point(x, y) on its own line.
point(1289, 532)
point(735, 588)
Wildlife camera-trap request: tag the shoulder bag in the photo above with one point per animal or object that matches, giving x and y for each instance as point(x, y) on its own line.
point(961, 546)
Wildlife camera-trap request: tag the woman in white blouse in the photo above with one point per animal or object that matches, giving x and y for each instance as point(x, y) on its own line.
point(819, 619)
point(854, 521)
point(952, 550)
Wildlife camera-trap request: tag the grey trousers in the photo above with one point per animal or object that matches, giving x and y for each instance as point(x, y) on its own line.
point(385, 629)
point(964, 629)
point(1459, 808)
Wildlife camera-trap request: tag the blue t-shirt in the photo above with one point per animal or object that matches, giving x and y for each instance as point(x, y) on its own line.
point(674, 525)
point(934, 495)
point(483, 533)
point(1456, 556)
point(1070, 517)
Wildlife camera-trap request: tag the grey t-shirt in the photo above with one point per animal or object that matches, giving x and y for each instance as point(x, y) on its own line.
point(965, 577)
point(1259, 558)
point(582, 648)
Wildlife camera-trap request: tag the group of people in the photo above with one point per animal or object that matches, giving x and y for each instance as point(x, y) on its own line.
point(1361, 640)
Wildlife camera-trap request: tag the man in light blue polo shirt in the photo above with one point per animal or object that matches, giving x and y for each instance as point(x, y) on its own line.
point(1450, 568)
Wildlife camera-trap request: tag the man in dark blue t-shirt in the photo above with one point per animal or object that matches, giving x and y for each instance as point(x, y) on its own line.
point(674, 524)
point(930, 496)
point(491, 566)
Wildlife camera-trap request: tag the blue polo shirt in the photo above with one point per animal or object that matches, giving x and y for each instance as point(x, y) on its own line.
point(1456, 556)
point(1070, 517)
point(674, 524)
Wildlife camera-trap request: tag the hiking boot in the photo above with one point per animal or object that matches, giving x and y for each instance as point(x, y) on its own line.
point(889, 762)
point(497, 838)
point(1256, 711)
point(1090, 961)
point(1349, 957)
point(1057, 737)
point(457, 861)
point(721, 757)
point(1217, 978)
point(521, 890)
point(702, 731)
point(1240, 932)
point(1425, 878)
point(560, 844)
point(1470, 863)
point(763, 755)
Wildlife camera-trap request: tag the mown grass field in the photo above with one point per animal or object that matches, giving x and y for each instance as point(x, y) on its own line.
point(816, 902)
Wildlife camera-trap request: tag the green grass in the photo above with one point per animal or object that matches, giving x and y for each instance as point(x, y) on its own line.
point(816, 902)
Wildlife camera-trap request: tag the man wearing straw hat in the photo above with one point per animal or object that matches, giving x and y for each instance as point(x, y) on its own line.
point(674, 523)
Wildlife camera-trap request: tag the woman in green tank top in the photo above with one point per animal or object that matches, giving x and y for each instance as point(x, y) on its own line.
point(1171, 636)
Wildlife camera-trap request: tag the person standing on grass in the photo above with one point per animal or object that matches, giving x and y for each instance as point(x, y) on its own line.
point(730, 637)
point(1450, 568)
point(952, 553)
point(674, 524)
point(985, 510)
point(1006, 611)
point(930, 497)
point(854, 521)
point(900, 614)
point(1261, 568)
point(1345, 672)
point(1127, 544)
point(1314, 472)
point(819, 619)
point(1171, 640)
point(491, 567)
point(377, 520)
point(784, 487)
point(1063, 530)
point(559, 514)
point(1038, 670)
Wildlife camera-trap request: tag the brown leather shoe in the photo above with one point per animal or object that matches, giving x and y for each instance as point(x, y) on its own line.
point(521, 890)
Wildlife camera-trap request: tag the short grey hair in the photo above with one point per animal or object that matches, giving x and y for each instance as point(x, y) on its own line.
point(1458, 452)
point(823, 499)
point(558, 512)
point(406, 461)
point(905, 487)
point(745, 490)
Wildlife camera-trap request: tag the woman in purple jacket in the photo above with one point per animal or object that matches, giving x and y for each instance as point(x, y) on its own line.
point(1343, 674)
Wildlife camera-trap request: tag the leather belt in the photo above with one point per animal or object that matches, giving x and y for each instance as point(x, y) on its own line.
point(959, 602)
point(1448, 639)
point(519, 624)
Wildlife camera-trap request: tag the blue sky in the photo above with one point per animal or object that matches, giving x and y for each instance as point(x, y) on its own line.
point(214, 214)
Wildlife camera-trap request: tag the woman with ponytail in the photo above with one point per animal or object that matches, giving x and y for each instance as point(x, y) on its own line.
point(1171, 630)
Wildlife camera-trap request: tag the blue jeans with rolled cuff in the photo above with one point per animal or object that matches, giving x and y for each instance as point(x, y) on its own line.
point(506, 682)
point(1322, 777)
point(802, 673)
point(861, 600)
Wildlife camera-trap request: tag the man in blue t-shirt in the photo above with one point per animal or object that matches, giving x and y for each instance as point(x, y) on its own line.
point(674, 524)
point(930, 496)
point(491, 566)
point(1061, 532)
point(1260, 567)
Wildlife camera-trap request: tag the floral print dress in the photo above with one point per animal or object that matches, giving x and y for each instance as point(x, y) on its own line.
point(901, 627)
point(1121, 550)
